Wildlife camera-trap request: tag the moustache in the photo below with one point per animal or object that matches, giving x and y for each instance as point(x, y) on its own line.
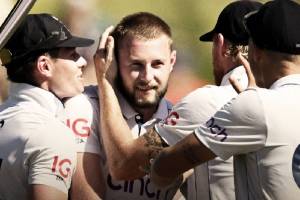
point(145, 86)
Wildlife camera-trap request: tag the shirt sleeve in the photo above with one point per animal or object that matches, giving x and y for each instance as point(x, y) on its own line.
point(192, 111)
point(50, 156)
point(82, 118)
point(238, 128)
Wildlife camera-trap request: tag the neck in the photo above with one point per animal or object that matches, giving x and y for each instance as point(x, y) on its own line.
point(146, 112)
point(282, 69)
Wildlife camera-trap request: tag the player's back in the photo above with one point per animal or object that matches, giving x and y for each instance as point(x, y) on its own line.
point(273, 171)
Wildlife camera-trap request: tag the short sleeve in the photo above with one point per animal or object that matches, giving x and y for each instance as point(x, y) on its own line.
point(192, 111)
point(82, 119)
point(238, 128)
point(51, 157)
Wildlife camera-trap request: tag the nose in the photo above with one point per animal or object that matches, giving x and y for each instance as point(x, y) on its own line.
point(81, 62)
point(147, 73)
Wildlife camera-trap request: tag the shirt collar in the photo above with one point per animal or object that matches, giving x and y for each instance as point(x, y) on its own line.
point(28, 93)
point(293, 79)
point(238, 73)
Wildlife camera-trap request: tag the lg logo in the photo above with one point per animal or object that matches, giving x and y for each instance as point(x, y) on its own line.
point(79, 127)
point(62, 166)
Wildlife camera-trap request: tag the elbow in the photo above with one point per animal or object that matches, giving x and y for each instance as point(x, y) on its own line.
point(118, 170)
point(124, 169)
point(117, 173)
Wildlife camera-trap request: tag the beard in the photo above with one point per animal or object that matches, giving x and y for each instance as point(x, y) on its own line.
point(134, 99)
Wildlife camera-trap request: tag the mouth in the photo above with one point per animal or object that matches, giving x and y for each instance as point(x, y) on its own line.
point(144, 88)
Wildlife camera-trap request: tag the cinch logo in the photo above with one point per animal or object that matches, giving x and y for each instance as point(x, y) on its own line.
point(172, 118)
point(128, 187)
point(79, 127)
point(216, 129)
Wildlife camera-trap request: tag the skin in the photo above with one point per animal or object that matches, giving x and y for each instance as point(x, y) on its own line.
point(268, 67)
point(63, 77)
point(87, 182)
point(145, 68)
point(132, 155)
point(189, 152)
point(222, 63)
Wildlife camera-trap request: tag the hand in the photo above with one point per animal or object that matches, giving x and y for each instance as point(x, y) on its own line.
point(104, 53)
point(251, 80)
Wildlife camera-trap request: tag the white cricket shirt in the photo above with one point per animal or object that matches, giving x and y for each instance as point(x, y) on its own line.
point(260, 129)
point(212, 180)
point(83, 118)
point(35, 146)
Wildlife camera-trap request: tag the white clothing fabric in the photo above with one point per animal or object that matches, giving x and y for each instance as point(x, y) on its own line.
point(212, 180)
point(35, 146)
point(260, 129)
point(86, 108)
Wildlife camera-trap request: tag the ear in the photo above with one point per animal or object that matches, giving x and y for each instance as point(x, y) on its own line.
point(220, 45)
point(44, 66)
point(173, 59)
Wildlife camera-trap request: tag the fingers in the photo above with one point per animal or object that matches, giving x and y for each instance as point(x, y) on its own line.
point(245, 63)
point(251, 80)
point(236, 85)
point(104, 54)
point(104, 36)
point(109, 49)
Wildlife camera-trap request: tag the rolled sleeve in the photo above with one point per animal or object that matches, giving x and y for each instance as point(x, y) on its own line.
point(238, 128)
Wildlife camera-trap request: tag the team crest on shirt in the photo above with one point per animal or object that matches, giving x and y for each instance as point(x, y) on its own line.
point(296, 166)
point(171, 119)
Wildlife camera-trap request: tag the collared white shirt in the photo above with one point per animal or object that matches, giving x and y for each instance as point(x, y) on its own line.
point(83, 118)
point(212, 180)
point(35, 146)
point(260, 128)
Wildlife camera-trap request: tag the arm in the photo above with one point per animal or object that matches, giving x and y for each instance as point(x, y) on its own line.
point(185, 155)
point(125, 155)
point(44, 192)
point(235, 129)
point(88, 181)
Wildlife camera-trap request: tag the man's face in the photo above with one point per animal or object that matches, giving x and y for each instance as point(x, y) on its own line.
point(144, 69)
point(66, 79)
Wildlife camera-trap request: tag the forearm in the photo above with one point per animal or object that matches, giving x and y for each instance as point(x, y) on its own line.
point(88, 181)
point(185, 155)
point(116, 135)
point(44, 192)
point(125, 155)
point(83, 192)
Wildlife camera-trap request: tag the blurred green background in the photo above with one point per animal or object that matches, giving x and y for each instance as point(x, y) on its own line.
point(187, 18)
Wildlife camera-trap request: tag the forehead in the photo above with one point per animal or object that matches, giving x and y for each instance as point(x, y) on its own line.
point(135, 46)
